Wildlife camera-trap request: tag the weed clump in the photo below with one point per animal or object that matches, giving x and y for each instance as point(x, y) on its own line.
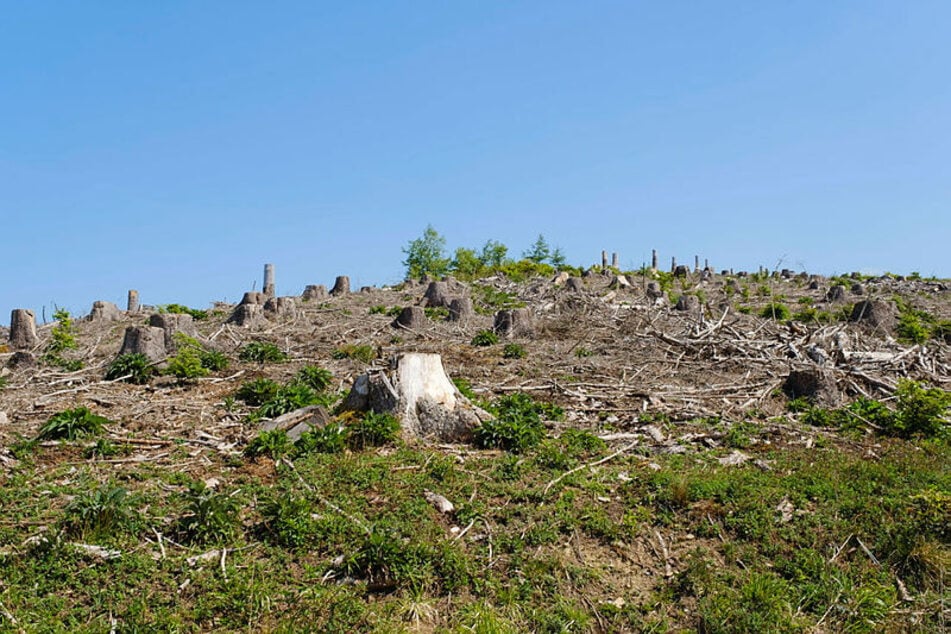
point(193, 360)
point(775, 310)
point(99, 513)
point(180, 309)
point(212, 516)
point(485, 338)
point(513, 351)
point(273, 444)
point(363, 353)
point(262, 352)
point(132, 368)
point(73, 423)
point(518, 423)
point(62, 338)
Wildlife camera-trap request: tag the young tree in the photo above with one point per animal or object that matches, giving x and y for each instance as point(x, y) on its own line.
point(539, 252)
point(494, 254)
point(558, 259)
point(426, 255)
point(466, 263)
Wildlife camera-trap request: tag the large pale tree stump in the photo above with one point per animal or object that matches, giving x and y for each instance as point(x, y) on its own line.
point(417, 390)
point(22, 328)
point(147, 340)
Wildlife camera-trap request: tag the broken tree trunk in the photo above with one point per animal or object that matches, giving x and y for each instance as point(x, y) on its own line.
point(132, 305)
point(341, 285)
point(417, 390)
point(22, 328)
point(269, 280)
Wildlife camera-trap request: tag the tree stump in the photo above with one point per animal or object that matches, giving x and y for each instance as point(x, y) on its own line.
point(514, 323)
point(341, 286)
point(575, 284)
point(313, 292)
point(132, 304)
point(619, 282)
point(560, 278)
point(253, 298)
point(814, 384)
point(21, 359)
point(460, 309)
point(836, 294)
point(412, 318)
point(681, 270)
point(654, 291)
point(438, 295)
point(417, 390)
point(247, 316)
point(147, 340)
point(689, 304)
point(268, 280)
point(171, 324)
point(280, 308)
point(22, 328)
point(858, 289)
point(814, 285)
point(104, 311)
point(877, 313)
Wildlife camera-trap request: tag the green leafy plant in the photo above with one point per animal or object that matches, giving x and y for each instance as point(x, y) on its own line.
point(373, 430)
point(211, 516)
point(258, 391)
point(134, 367)
point(518, 423)
point(314, 377)
point(62, 338)
point(485, 338)
point(426, 255)
point(921, 411)
point(331, 438)
point(363, 353)
point(186, 364)
point(775, 310)
point(273, 444)
point(73, 423)
point(286, 399)
point(99, 513)
point(513, 351)
point(179, 309)
point(262, 352)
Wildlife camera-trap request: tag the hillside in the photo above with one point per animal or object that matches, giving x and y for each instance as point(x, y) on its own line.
point(716, 453)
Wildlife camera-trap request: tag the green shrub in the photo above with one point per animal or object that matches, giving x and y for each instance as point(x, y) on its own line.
point(363, 353)
point(273, 444)
point(436, 313)
point(485, 338)
point(99, 513)
point(71, 424)
point(314, 377)
point(513, 351)
point(487, 300)
point(62, 338)
point(289, 519)
point(211, 516)
point(775, 310)
point(186, 364)
point(262, 352)
point(378, 310)
point(921, 411)
point(331, 438)
point(135, 367)
point(373, 430)
point(179, 309)
point(518, 424)
point(286, 399)
point(258, 391)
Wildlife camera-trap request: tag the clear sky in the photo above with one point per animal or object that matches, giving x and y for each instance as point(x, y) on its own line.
point(175, 147)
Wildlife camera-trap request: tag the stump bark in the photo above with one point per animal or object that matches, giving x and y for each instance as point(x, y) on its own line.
point(836, 294)
point(460, 309)
point(314, 291)
point(147, 340)
point(280, 308)
point(132, 304)
point(171, 324)
point(877, 313)
point(253, 298)
point(21, 359)
point(269, 280)
point(575, 284)
point(247, 316)
point(417, 390)
point(104, 311)
point(438, 295)
point(814, 384)
point(22, 328)
point(412, 318)
point(689, 304)
point(514, 323)
point(341, 285)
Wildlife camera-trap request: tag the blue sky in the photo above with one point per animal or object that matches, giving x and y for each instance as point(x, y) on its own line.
point(175, 147)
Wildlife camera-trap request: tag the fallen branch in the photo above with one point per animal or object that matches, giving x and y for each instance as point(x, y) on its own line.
point(589, 465)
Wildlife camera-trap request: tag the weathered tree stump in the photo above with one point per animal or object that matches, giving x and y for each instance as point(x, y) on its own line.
point(417, 390)
point(681, 270)
point(560, 278)
point(104, 311)
point(575, 284)
point(268, 287)
point(171, 324)
point(438, 295)
point(653, 290)
point(132, 304)
point(21, 359)
point(814, 285)
point(858, 289)
point(341, 286)
point(619, 282)
point(313, 292)
point(460, 309)
point(514, 323)
point(253, 298)
point(689, 304)
point(815, 384)
point(22, 329)
point(654, 259)
point(877, 313)
point(247, 316)
point(412, 318)
point(280, 308)
point(836, 294)
point(615, 261)
point(147, 340)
